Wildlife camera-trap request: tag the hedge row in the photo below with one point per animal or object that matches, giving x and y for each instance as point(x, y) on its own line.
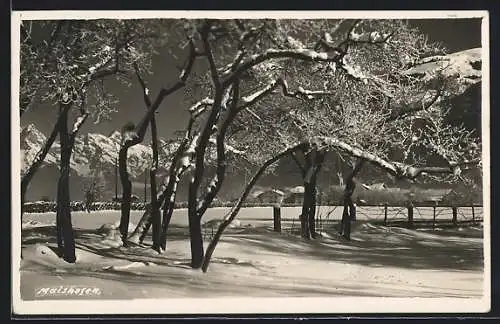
point(50, 206)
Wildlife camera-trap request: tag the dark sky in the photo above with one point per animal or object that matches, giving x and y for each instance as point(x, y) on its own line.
point(455, 34)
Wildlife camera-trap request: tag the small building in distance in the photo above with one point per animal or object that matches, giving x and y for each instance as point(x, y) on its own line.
point(294, 195)
point(374, 186)
point(272, 196)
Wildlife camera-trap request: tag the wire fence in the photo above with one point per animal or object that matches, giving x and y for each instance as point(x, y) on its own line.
point(405, 216)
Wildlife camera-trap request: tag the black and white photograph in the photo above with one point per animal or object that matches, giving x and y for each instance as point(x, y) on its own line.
point(220, 162)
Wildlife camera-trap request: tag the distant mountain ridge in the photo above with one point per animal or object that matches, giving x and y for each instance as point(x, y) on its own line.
point(91, 150)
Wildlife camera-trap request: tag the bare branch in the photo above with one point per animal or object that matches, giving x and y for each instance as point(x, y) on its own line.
point(218, 179)
point(141, 128)
point(245, 36)
point(300, 93)
point(145, 90)
point(200, 106)
point(76, 127)
point(207, 48)
point(397, 169)
point(402, 112)
point(234, 211)
point(79, 123)
point(299, 165)
point(299, 54)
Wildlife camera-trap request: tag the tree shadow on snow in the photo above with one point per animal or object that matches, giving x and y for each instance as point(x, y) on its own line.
point(377, 247)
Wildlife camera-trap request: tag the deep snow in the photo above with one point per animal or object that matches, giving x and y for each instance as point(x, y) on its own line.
point(252, 260)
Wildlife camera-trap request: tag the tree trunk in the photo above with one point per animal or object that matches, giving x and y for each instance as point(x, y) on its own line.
point(168, 209)
point(197, 251)
point(65, 228)
point(143, 226)
point(305, 230)
point(155, 213)
point(175, 173)
point(126, 193)
point(312, 211)
point(116, 179)
point(41, 155)
point(304, 167)
point(349, 211)
point(195, 225)
point(314, 162)
point(155, 206)
point(59, 231)
point(309, 208)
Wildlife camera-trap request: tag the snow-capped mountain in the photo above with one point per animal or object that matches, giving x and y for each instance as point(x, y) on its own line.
point(92, 152)
point(31, 142)
point(95, 152)
point(465, 66)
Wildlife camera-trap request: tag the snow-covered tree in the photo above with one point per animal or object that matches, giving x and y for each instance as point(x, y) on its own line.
point(66, 63)
point(374, 113)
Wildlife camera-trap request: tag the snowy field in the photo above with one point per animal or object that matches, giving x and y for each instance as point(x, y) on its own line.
point(253, 261)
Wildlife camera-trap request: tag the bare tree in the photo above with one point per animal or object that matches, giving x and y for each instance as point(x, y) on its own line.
point(135, 135)
point(360, 89)
point(81, 55)
point(67, 63)
point(226, 81)
point(380, 109)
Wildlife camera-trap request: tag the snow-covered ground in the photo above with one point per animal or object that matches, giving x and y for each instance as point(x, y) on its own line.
point(253, 261)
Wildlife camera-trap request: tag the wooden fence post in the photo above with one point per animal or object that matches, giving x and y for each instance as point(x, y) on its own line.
point(319, 223)
point(473, 216)
point(454, 210)
point(385, 214)
point(434, 214)
point(277, 218)
point(410, 214)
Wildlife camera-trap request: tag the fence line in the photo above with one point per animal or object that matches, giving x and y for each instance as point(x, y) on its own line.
point(399, 216)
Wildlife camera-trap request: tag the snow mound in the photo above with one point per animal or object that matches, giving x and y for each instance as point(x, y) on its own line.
point(107, 228)
point(45, 252)
point(215, 223)
point(111, 233)
point(235, 224)
point(132, 265)
point(35, 224)
point(46, 255)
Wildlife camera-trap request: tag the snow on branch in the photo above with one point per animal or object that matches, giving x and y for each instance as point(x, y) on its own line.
point(227, 147)
point(145, 90)
point(413, 107)
point(140, 129)
point(207, 48)
point(299, 54)
point(397, 169)
point(373, 37)
point(244, 37)
point(79, 123)
point(101, 69)
point(187, 155)
point(200, 106)
point(300, 93)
